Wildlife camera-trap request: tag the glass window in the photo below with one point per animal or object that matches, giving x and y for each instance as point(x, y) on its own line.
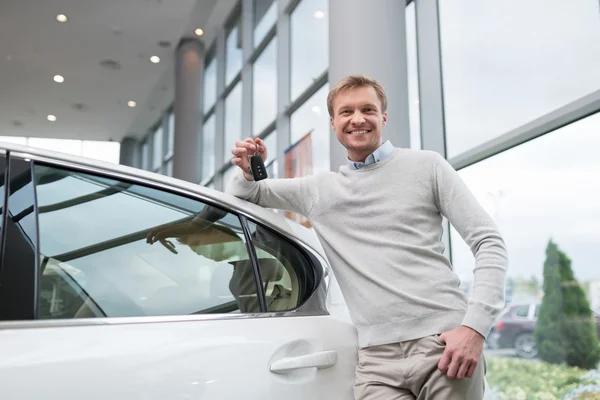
point(146, 155)
point(227, 176)
point(233, 120)
point(208, 148)
point(413, 77)
point(497, 79)
point(171, 133)
point(312, 117)
point(108, 269)
point(271, 163)
point(265, 16)
point(157, 148)
point(264, 88)
point(233, 52)
point(2, 192)
point(522, 311)
point(210, 85)
point(103, 151)
point(287, 275)
point(309, 44)
point(271, 143)
point(543, 192)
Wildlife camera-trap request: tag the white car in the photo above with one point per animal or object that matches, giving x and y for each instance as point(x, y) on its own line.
point(237, 302)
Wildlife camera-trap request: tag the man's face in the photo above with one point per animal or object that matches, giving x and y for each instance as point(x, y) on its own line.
point(357, 121)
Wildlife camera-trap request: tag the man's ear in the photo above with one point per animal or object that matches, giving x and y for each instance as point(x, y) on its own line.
point(384, 118)
point(331, 122)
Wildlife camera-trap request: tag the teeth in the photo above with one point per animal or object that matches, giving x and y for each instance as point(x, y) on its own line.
point(358, 132)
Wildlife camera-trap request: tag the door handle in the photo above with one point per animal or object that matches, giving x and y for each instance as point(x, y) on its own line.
point(321, 360)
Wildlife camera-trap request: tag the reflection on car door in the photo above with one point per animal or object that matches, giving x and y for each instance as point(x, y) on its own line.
point(218, 308)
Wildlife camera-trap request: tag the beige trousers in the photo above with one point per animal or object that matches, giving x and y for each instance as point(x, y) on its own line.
point(409, 371)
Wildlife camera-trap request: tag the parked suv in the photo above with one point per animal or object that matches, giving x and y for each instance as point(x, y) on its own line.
point(515, 326)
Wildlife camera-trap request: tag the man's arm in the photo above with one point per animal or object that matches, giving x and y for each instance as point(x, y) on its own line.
point(291, 194)
point(479, 231)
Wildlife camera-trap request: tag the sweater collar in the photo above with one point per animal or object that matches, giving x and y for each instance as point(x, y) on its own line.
point(382, 152)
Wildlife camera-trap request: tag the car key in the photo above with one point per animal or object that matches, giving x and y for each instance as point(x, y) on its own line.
point(257, 167)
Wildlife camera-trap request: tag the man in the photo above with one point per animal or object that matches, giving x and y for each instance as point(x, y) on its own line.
point(379, 219)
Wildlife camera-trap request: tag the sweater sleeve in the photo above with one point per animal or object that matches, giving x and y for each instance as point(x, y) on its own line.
point(290, 194)
point(478, 230)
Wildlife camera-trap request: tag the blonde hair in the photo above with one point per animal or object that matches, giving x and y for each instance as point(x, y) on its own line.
point(353, 82)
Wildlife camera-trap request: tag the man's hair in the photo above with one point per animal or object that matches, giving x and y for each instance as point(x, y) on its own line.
point(353, 82)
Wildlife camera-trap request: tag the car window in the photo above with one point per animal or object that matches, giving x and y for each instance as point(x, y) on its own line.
point(287, 274)
point(537, 310)
point(2, 193)
point(522, 311)
point(96, 261)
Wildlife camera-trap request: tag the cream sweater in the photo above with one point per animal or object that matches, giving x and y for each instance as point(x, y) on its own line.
point(381, 228)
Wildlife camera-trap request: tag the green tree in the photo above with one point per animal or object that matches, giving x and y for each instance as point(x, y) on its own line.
point(565, 331)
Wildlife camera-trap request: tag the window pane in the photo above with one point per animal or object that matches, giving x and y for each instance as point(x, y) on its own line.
point(227, 176)
point(171, 133)
point(210, 85)
point(2, 192)
point(310, 41)
point(265, 16)
point(233, 120)
point(264, 88)
point(103, 151)
point(104, 267)
point(271, 143)
point(169, 168)
point(233, 49)
point(541, 191)
point(522, 311)
point(313, 117)
point(146, 155)
point(497, 79)
point(157, 148)
point(286, 273)
point(208, 148)
point(413, 77)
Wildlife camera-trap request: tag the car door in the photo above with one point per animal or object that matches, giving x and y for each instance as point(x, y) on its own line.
point(221, 307)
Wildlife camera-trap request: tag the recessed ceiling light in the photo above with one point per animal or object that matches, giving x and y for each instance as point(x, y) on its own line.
point(51, 118)
point(155, 59)
point(61, 18)
point(319, 14)
point(59, 79)
point(131, 103)
point(199, 32)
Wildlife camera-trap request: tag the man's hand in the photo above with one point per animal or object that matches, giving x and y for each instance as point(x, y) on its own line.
point(463, 348)
point(243, 150)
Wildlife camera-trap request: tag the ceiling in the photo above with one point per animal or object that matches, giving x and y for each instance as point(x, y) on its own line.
point(91, 103)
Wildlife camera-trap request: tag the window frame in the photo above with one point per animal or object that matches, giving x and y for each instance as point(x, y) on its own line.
point(318, 264)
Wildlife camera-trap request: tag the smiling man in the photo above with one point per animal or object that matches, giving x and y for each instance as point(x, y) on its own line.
point(379, 219)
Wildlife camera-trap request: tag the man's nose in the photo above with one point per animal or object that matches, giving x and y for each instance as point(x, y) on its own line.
point(358, 118)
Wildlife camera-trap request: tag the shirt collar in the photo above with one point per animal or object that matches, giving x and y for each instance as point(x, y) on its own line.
point(382, 152)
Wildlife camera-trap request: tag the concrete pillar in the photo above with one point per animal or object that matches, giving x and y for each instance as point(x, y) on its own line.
point(130, 152)
point(371, 41)
point(189, 74)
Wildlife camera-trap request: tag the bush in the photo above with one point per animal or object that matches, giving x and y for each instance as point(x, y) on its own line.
point(566, 330)
point(518, 379)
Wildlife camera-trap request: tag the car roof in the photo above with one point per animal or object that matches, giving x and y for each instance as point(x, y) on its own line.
point(264, 215)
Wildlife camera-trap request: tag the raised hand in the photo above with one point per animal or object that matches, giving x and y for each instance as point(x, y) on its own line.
point(243, 150)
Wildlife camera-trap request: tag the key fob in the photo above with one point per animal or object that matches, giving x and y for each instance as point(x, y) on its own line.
point(257, 165)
